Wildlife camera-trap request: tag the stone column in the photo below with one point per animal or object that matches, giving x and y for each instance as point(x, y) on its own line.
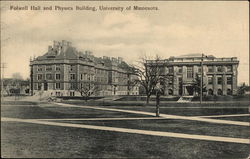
point(234, 80)
point(224, 84)
point(215, 84)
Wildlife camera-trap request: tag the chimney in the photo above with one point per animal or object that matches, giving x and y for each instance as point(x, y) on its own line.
point(65, 45)
point(64, 42)
point(55, 44)
point(49, 48)
point(120, 59)
point(69, 43)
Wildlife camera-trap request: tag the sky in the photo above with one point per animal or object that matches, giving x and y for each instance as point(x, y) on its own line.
point(176, 28)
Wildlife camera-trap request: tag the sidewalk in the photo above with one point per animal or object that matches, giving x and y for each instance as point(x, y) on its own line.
point(168, 116)
point(134, 131)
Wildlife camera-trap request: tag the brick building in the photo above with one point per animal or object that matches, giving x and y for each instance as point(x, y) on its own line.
point(219, 74)
point(63, 69)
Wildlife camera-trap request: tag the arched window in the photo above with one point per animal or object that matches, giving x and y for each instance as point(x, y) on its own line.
point(170, 92)
point(219, 92)
point(229, 92)
point(210, 92)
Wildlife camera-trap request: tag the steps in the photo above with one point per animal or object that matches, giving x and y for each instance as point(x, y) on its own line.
point(185, 99)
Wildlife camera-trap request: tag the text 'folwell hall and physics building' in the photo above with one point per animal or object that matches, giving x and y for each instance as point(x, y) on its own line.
point(63, 69)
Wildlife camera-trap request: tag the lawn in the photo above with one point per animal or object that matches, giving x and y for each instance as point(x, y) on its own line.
point(198, 111)
point(236, 118)
point(174, 125)
point(28, 140)
point(162, 103)
point(38, 111)
point(40, 141)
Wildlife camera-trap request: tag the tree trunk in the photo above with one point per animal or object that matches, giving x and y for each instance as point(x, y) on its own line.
point(148, 98)
point(157, 112)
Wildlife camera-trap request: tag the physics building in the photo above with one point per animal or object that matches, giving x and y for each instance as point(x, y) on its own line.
point(219, 74)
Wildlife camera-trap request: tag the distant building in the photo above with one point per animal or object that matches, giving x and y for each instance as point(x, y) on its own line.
point(13, 86)
point(219, 74)
point(63, 69)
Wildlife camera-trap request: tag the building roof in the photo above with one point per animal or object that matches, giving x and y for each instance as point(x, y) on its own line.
point(64, 50)
point(194, 55)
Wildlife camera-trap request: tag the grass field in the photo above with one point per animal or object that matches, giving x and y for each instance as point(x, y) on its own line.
point(29, 140)
point(162, 103)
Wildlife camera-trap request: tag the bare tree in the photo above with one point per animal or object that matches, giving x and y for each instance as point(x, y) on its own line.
point(87, 89)
point(150, 72)
point(17, 76)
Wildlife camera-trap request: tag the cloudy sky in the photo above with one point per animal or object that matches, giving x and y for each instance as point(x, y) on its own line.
point(177, 28)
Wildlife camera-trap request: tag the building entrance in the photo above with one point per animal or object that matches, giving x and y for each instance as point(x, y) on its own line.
point(45, 86)
point(190, 90)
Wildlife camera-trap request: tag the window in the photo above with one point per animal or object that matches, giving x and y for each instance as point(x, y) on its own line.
point(58, 68)
point(180, 80)
point(58, 76)
point(170, 92)
point(39, 68)
point(229, 92)
point(72, 76)
point(58, 93)
point(58, 85)
point(81, 76)
point(170, 70)
point(199, 68)
point(219, 80)
point(190, 72)
point(219, 92)
point(219, 69)
point(72, 86)
point(82, 85)
point(161, 70)
point(39, 77)
point(88, 77)
point(210, 80)
point(229, 68)
point(210, 92)
point(180, 70)
point(229, 80)
point(48, 76)
point(48, 68)
point(72, 93)
point(71, 67)
point(170, 81)
point(210, 69)
point(39, 86)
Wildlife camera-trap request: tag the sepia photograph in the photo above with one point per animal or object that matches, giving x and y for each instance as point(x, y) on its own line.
point(125, 79)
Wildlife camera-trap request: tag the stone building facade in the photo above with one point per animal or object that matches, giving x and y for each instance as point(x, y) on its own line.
point(219, 74)
point(63, 69)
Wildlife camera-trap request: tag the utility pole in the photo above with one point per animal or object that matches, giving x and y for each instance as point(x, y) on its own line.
point(201, 83)
point(3, 66)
